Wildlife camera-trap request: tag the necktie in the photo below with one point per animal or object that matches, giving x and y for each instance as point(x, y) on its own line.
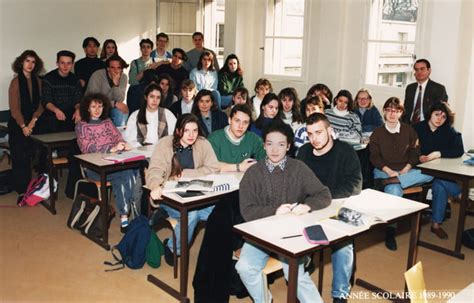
point(416, 112)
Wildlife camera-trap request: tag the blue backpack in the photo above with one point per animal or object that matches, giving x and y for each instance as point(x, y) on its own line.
point(132, 247)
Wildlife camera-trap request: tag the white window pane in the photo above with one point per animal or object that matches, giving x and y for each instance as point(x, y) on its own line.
point(389, 64)
point(283, 56)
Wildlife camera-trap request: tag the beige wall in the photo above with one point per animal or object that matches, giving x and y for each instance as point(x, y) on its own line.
point(47, 26)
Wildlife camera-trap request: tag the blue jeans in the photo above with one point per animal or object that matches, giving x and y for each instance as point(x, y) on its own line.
point(412, 177)
point(118, 118)
point(442, 189)
point(342, 265)
point(193, 219)
point(123, 184)
point(217, 98)
point(226, 101)
point(250, 265)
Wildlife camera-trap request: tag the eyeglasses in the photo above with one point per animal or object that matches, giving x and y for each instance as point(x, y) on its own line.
point(392, 111)
point(363, 99)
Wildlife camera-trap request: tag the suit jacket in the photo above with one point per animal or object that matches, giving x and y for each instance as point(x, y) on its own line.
point(434, 92)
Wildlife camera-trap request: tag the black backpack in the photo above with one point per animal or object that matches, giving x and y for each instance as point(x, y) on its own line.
point(131, 250)
point(468, 238)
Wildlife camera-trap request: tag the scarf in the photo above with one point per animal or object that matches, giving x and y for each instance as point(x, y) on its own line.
point(162, 127)
point(29, 104)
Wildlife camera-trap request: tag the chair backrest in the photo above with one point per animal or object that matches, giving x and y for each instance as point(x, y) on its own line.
point(416, 283)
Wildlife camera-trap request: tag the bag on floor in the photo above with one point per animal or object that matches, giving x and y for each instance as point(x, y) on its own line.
point(5, 182)
point(131, 250)
point(154, 251)
point(37, 191)
point(86, 214)
point(468, 238)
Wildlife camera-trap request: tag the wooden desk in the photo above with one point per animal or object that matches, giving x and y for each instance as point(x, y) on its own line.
point(184, 206)
point(50, 142)
point(95, 162)
point(268, 232)
point(456, 170)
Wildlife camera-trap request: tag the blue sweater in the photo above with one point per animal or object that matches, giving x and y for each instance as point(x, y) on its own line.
point(445, 139)
point(371, 119)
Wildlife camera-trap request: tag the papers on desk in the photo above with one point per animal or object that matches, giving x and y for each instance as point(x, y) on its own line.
point(213, 182)
point(127, 156)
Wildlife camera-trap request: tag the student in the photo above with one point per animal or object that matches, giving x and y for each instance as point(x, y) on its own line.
point(291, 108)
point(270, 188)
point(210, 117)
point(230, 78)
point(112, 82)
point(394, 152)
point(185, 104)
point(85, 67)
point(151, 122)
point(160, 54)
point(438, 139)
point(344, 122)
point(137, 66)
point(184, 154)
point(237, 150)
point(205, 76)
point(195, 53)
point(61, 94)
point(367, 112)
point(175, 69)
point(240, 96)
point(336, 165)
point(97, 134)
point(167, 87)
point(25, 109)
point(135, 92)
point(313, 105)
point(109, 48)
point(321, 90)
point(262, 87)
point(270, 110)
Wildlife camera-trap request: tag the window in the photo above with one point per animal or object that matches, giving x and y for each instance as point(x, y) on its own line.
point(284, 29)
point(220, 39)
point(391, 42)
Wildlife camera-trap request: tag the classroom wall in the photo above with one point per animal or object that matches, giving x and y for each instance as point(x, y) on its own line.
point(51, 25)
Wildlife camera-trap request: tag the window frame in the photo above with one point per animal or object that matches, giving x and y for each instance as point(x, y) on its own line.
point(304, 38)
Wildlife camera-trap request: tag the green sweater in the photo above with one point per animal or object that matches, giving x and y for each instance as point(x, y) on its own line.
point(228, 82)
point(251, 146)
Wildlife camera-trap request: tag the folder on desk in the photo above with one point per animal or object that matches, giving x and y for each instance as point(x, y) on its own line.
point(124, 157)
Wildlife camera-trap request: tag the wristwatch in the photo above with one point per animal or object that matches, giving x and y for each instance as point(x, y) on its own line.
point(237, 167)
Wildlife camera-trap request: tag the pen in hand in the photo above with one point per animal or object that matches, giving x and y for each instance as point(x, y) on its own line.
point(294, 205)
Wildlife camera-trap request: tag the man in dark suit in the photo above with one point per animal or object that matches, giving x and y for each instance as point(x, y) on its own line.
point(423, 89)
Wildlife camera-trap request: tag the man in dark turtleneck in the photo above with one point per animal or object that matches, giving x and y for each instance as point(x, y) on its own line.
point(85, 67)
point(336, 165)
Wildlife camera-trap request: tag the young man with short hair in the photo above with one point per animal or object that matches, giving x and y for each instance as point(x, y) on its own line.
point(175, 69)
point(61, 95)
point(195, 53)
point(112, 82)
point(237, 150)
point(85, 67)
point(337, 166)
point(160, 54)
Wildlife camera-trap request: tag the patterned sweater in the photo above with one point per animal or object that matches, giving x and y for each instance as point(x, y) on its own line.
point(97, 136)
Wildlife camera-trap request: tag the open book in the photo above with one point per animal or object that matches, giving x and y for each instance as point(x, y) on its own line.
point(348, 221)
point(190, 185)
point(355, 218)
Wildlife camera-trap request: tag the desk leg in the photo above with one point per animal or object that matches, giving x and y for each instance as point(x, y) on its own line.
point(184, 259)
point(414, 235)
point(292, 279)
point(52, 197)
point(461, 221)
point(105, 208)
point(462, 216)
